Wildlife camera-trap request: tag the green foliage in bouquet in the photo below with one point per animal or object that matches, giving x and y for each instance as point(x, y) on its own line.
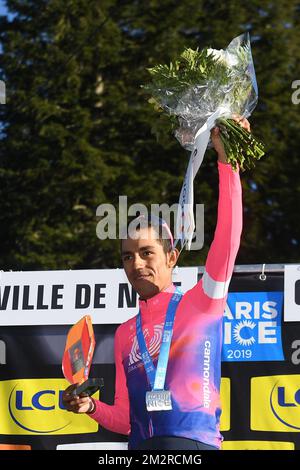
point(192, 68)
point(240, 145)
point(208, 80)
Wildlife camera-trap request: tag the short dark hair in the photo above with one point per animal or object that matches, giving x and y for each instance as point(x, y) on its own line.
point(161, 228)
point(163, 232)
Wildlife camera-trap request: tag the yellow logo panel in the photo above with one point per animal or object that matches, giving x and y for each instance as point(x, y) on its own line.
point(275, 403)
point(34, 406)
point(257, 445)
point(225, 403)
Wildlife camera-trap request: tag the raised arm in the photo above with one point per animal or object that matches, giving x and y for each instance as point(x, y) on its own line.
point(223, 250)
point(211, 291)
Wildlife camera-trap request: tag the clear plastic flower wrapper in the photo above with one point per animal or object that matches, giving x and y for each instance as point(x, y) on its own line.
point(201, 90)
point(211, 86)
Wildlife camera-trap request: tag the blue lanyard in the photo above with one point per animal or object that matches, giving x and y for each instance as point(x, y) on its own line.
point(157, 377)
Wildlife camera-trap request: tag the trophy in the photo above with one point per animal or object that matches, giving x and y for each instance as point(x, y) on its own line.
point(77, 358)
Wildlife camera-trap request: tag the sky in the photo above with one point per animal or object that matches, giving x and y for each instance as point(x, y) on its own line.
point(2, 7)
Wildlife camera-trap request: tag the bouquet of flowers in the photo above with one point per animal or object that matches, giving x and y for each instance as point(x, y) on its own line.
point(203, 89)
point(210, 83)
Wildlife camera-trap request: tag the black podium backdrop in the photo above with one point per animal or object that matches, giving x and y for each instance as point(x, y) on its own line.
point(270, 418)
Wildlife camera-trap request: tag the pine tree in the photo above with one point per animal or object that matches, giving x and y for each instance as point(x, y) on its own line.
point(77, 125)
point(53, 175)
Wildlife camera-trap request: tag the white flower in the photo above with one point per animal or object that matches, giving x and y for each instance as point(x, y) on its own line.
point(231, 59)
point(224, 57)
point(217, 53)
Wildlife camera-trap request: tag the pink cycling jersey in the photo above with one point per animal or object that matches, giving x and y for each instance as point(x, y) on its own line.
point(194, 367)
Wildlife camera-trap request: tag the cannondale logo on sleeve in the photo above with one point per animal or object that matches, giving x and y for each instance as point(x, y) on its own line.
point(206, 374)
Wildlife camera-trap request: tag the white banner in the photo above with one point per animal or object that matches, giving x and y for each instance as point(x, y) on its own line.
point(63, 297)
point(292, 292)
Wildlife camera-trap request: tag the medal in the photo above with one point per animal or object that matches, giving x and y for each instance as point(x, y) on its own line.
point(159, 399)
